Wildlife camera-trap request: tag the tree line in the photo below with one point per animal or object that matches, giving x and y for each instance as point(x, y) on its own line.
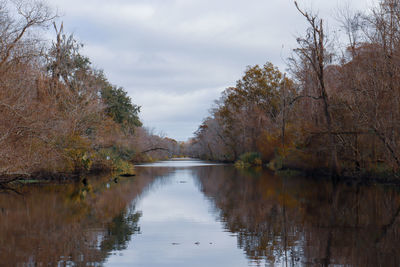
point(59, 114)
point(336, 110)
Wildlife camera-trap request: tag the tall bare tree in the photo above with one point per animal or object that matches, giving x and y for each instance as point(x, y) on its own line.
point(313, 50)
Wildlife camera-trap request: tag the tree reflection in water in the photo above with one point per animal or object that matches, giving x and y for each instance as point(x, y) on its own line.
point(288, 221)
point(296, 221)
point(68, 224)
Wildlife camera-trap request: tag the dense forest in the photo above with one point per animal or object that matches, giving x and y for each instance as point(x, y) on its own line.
point(336, 110)
point(58, 114)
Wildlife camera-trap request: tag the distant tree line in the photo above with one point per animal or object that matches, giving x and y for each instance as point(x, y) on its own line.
point(337, 110)
point(59, 114)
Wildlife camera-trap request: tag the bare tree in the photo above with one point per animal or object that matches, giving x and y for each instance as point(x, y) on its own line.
point(13, 30)
point(313, 49)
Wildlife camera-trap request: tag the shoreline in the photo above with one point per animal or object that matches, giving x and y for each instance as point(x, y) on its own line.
point(317, 174)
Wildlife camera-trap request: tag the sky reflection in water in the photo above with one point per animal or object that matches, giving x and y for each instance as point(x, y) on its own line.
point(179, 226)
point(180, 163)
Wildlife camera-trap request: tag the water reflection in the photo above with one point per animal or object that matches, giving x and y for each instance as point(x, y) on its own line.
point(178, 226)
point(180, 163)
point(68, 224)
point(190, 213)
point(294, 221)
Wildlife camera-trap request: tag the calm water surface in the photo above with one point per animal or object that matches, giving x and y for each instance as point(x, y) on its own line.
point(194, 213)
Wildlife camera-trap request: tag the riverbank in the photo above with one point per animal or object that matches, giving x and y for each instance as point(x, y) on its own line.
point(44, 176)
point(320, 174)
point(254, 161)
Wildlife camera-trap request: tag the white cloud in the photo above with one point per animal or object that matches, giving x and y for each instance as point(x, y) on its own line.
point(167, 105)
point(103, 11)
point(211, 25)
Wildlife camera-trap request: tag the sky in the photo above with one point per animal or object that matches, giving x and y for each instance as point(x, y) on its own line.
point(175, 57)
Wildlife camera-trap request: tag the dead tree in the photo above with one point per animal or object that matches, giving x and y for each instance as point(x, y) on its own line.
point(312, 48)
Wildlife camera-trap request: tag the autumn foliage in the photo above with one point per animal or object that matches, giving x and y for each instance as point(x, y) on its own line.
point(336, 111)
point(59, 114)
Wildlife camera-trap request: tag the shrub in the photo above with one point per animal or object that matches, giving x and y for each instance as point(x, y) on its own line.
point(111, 159)
point(76, 151)
point(249, 159)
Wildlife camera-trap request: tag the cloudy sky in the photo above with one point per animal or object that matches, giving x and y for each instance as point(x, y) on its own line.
point(175, 57)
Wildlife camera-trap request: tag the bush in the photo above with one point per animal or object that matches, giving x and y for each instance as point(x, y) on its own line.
point(77, 153)
point(110, 159)
point(123, 153)
point(248, 160)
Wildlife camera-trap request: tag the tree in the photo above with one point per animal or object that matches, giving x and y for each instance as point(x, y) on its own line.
point(120, 108)
point(21, 126)
point(15, 45)
point(313, 51)
point(244, 113)
point(65, 63)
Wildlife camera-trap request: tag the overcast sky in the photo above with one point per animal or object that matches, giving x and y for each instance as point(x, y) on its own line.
point(175, 57)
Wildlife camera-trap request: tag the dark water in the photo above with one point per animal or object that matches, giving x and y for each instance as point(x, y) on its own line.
point(190, 213)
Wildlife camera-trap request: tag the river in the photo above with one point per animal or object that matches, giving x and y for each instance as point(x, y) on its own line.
point(192, 213)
